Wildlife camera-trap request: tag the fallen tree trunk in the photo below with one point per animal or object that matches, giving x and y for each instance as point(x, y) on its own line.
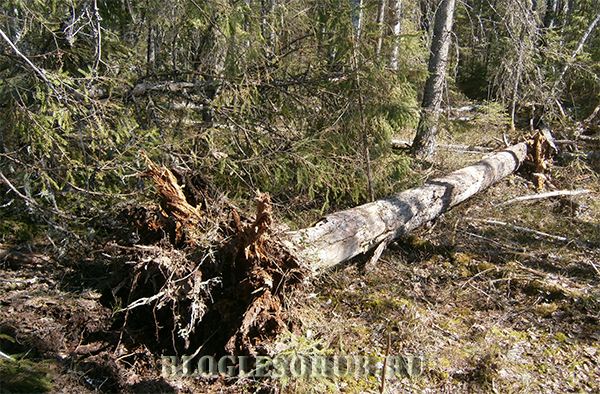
point(346, 234)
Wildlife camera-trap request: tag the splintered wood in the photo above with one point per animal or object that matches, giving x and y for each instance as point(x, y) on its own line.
point(254, 232)
point(256, 271)
point(173, 201)
point(266, 272)
point(540, 156)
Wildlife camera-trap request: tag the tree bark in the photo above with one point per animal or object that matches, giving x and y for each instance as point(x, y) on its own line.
point(268, 30)
point(382, 5)
point(396, 33)
point(360, 22)
point(346, 234)
point(424, 143)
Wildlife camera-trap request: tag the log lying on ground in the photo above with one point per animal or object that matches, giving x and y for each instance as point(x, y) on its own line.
point(346, 234)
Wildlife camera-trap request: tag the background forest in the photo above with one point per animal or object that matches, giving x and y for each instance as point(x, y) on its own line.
point(296, 98)
point(301, 99)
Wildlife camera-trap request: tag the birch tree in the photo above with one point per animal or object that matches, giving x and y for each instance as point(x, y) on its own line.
point(382, 6)
point(397, 28)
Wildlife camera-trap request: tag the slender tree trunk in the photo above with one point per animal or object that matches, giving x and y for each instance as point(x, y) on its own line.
point(396, 33)
point(151, 55)
point(268, 31)
point(98, 33)
point(516, 83)
point(360, 23)
point(424, 143)
point(381, 22)
point(361, 105)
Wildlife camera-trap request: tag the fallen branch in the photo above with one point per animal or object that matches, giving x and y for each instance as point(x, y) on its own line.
point(590, 156)
point(558, 193)
point(6, 356)
point(595, 112)
point(519, 228)
point(12, 255)
point(588, 138)
point(520, 250)
point(401, 144)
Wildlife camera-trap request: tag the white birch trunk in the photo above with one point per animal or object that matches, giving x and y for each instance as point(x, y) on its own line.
point(396, 33)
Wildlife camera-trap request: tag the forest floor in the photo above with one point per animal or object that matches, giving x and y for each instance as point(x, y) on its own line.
point(467, 303)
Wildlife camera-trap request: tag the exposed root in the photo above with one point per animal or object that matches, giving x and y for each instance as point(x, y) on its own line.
point(253, 272)
point(167, 278)
point(269, 271)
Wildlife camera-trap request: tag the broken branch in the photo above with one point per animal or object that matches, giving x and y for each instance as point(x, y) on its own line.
point(519, 228)
point(539, 196)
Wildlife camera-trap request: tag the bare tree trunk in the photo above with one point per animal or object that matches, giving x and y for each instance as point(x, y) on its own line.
point(268, 30)
point(360, 23)
point(424, 143)
point(396, 33)
point(381, 22)
point(151, 50)
point(365, 136)
point(515, 90)
point(343, 235)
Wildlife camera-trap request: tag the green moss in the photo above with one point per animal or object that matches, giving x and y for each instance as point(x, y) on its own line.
point(461, 258)
point(483, 266)
point(19, 230)
point(24, 376)
point(545, 309)
point(419, 244)
point(560, 337)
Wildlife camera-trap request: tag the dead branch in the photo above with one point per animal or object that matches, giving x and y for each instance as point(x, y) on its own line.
point(18, 257)
point(595, 112)
point(401, 144)
point(40, 72)
point(539, 196)
point(519, 228)
point(519, 250)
